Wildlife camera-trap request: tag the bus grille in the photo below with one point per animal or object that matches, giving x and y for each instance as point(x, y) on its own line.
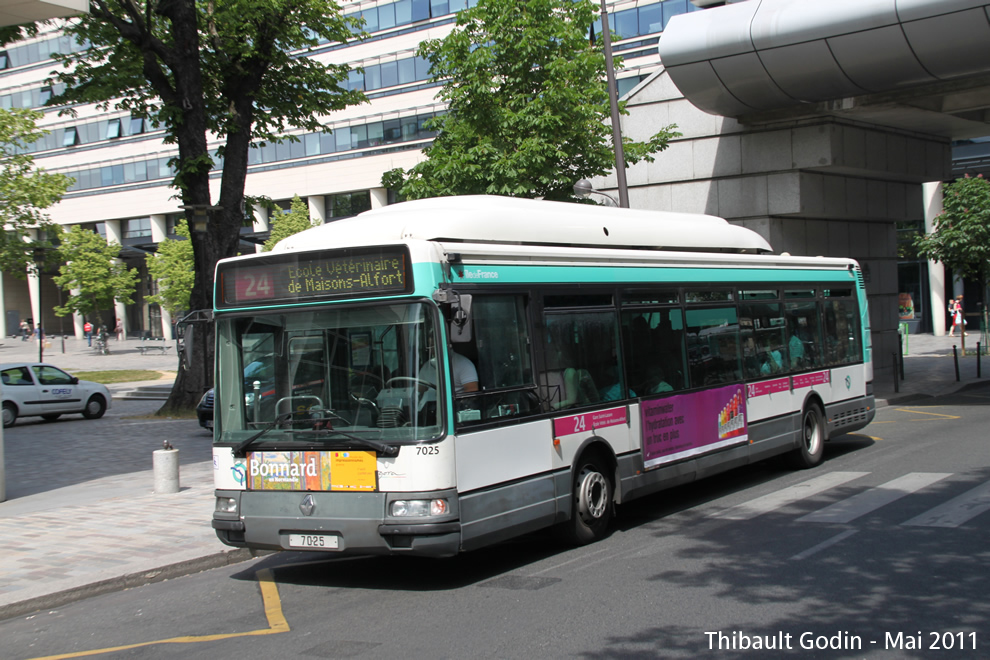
point(851, 416)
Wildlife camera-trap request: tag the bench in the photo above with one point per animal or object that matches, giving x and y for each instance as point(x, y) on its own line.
point(159, 345)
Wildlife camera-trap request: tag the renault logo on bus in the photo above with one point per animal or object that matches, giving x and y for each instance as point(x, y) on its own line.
point(308, 505)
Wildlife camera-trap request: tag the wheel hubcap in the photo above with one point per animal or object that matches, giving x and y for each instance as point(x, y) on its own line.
point(592, 495)
point(811, 433)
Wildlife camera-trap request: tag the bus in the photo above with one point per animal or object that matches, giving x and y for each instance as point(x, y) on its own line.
point(440, 375)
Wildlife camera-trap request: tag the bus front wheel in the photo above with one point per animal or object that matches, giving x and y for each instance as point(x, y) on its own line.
point(592, 502)
point(813, 435)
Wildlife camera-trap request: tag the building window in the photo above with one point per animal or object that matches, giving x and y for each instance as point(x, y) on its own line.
point(4, 60)
point(137, 228)
point(346, 204)
point(44, 95)
point(113, 129)
point(136, 126)
point(70, 138)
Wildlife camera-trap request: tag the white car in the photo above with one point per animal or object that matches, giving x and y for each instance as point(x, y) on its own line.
point(31, 389)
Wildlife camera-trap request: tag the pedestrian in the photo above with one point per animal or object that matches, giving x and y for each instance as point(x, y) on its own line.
point(119, 330)
point(88, 329)
point(25, 330)
point(956, 313)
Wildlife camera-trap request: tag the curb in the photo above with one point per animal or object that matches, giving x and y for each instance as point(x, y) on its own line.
point(139, 579)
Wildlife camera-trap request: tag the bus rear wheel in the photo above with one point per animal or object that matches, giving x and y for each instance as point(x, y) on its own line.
point(593, 505)
point(813, 437)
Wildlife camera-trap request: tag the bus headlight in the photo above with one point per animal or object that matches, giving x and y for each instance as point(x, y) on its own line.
point(226, 505)
point(418, 508)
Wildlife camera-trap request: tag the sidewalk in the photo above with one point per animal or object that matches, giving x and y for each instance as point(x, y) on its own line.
point(82, 518)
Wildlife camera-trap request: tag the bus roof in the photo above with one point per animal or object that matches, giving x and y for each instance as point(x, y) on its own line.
point(513, 221)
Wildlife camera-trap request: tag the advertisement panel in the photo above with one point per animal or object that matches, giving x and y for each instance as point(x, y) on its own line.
point(683, 425)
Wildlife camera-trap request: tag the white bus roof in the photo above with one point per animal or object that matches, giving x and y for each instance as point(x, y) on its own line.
point(513, 221)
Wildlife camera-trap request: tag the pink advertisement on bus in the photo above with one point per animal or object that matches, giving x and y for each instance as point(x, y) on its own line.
point(683, 425)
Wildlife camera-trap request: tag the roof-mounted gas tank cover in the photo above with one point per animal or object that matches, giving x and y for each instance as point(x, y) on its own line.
point(512, 221)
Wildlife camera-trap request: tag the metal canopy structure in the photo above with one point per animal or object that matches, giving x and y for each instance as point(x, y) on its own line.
point(17, 12)
point(918, 65)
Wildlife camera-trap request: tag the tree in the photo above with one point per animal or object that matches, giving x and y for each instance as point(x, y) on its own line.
point(528, 106)
point(229, 69)
point(92, 274)
point(25, 191)
point(172, 268)
point(287, 224)
point(961, 237)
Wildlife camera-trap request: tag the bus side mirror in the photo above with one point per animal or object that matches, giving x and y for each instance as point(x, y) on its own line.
point(460, 321)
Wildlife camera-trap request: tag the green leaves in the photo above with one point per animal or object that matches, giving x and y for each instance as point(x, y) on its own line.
point(91, 275)
point(286, 224)
point(25, 190)
point(961, 238)
point(528, 108)
point(172, 268)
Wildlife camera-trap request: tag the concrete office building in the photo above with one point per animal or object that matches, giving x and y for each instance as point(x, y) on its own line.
point(120, 163)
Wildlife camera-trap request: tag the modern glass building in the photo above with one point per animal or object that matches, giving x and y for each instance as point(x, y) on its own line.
point(120, 163)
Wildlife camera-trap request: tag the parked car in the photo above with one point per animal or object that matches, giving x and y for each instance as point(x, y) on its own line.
point(204, 410)
point(32, 389)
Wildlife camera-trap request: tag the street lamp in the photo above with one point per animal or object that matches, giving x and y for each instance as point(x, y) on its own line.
point(201, 214)
point(613, 100)
point(583, 189)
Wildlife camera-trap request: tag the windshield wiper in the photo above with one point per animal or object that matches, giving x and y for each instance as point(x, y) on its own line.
point(380, 447)
point(239, 449)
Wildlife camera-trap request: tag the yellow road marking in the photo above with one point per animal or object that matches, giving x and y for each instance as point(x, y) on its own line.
point(923, 412)
point(273, 612)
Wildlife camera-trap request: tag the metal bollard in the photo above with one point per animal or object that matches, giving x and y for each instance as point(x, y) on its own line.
point(979, 371)
point(955, 358)
point(165, 464)
point(897, 378)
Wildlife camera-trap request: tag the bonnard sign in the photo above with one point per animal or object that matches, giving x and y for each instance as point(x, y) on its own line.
point(313, 470)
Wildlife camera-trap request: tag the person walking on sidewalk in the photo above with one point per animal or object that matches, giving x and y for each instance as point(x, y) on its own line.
point(88, 329)
point(119, 330)
point(956, 311)
point(25, 330)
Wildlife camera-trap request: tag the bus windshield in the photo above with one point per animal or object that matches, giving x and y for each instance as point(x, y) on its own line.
point(356, 370)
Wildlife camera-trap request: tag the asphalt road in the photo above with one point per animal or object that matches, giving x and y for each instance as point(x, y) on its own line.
point(879, 553)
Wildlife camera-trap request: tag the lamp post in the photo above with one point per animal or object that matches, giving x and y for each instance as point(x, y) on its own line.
point(583, 188)
point(613, 100)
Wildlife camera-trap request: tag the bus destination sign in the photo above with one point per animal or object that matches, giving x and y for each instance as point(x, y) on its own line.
point(289, 278)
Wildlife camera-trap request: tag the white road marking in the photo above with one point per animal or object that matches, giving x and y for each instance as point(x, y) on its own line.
point(789, 495)
point(870, 500)
point(956, 511)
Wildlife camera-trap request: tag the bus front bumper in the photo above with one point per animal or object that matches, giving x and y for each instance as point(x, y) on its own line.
point(352, 523)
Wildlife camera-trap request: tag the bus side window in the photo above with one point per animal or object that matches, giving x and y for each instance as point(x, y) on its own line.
point(841, 332)
point(764, 341)
point(804, 342)
point(653, 342)
point(501, 352)
point(582, 359)
point(713, 346)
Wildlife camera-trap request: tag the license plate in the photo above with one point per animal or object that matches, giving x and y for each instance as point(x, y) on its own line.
point(314, 541)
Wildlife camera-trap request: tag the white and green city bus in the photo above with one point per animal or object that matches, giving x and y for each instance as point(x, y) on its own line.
point(587, 356)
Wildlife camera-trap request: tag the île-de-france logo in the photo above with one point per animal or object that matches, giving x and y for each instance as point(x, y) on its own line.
point(849, 382)
point(239, 471)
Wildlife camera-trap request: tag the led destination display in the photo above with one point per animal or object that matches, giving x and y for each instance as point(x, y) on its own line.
point(288, 278)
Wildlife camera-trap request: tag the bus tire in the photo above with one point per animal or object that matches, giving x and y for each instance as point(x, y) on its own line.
point(813, 437)
point(95, 407)
point(593, 506)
